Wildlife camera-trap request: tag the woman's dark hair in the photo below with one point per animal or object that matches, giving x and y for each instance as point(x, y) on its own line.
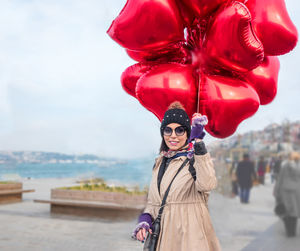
point(163, 146)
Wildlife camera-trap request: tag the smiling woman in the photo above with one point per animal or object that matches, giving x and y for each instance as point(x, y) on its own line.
point(175, 136)
point(176, 216)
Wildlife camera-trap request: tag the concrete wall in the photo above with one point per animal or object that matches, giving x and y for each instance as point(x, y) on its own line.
point(111, 197)
point(10, 198)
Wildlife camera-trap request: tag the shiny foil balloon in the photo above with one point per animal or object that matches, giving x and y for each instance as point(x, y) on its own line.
point(202, 8)
point(147, 24)
point(167, 83)
point(230, 42)
point(264, 79)
point(172, 53)
point(187, 15)
point(131, 75)
point(206, 52)
point(226, 102)
point(273, 26)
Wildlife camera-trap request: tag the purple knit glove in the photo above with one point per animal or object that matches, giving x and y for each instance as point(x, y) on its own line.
point(145, 221)
point(198, 123)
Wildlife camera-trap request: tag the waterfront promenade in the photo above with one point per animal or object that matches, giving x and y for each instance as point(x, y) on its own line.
point(30, 226)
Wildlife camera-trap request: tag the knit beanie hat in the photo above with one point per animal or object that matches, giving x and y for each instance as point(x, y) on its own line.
point(176, 114)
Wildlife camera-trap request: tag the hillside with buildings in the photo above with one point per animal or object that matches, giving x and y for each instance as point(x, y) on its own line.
point(51, 157)
point(273, 140)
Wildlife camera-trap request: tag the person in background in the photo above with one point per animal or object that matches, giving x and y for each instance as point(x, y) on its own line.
point(185, 221)
point(245, 174)
point(276, 167)
point(287, 192)
point(234, 183)
point(272, 164)
point(261, 170)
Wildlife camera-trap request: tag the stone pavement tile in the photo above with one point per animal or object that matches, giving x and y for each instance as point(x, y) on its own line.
point(274, 239)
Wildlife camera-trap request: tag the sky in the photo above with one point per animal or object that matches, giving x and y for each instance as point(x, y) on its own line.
point(60, 84)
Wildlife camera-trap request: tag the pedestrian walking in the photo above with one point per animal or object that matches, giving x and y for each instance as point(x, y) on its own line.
point(234, 182)
point(287, 193)
point(261, 170)
point(245, 174)
point(272, 164)
point(277, 167)
point(176, 216)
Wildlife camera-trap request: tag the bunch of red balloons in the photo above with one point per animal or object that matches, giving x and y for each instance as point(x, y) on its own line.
point(217, 57)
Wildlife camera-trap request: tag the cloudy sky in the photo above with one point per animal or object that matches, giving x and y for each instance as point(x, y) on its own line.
point(60, 82)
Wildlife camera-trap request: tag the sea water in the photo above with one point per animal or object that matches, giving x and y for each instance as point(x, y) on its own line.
point(131, 172)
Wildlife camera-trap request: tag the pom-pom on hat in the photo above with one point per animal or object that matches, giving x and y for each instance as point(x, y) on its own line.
point(176, 114)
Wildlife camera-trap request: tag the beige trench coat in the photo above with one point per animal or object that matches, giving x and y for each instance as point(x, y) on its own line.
point(287, 187)
point(185, 223)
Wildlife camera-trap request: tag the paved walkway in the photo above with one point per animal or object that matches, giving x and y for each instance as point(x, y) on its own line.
point(274, 239)
point(30, 226)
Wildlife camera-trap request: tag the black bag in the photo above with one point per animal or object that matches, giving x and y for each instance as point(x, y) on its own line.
point(152, 239)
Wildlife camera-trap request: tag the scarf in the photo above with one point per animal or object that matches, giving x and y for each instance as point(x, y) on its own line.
point(186, 151)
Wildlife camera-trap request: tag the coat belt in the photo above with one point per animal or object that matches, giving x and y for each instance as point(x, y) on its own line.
point(178, 202)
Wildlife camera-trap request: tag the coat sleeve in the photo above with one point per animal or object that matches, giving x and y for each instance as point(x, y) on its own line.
point(278, 184)
point(205, 173)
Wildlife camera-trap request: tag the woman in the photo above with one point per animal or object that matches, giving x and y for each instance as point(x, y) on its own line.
point(287, 193)
point(185, 222)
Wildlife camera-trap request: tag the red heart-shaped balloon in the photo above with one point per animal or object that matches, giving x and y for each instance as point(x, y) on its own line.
point(167, 83)
point(171, 53)
point(230, 42)
point(273, 26)
point(202, 8)
point(131, 75)
point(187, 15)
point(147, 24)
point(264, 79)
point(226, 102)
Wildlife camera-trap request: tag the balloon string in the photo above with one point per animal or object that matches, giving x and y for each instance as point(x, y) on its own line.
point(200, 69)
point(198, 92)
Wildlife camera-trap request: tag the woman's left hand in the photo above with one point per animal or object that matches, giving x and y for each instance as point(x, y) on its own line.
point(198, 123)
point(142, 234)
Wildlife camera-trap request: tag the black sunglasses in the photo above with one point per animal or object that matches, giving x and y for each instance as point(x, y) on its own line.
point(179, 131)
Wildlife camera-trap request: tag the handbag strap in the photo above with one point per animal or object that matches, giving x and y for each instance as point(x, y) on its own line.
point(168, 189)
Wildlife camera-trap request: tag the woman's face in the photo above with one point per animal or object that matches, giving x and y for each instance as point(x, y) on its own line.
point(173, 141)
